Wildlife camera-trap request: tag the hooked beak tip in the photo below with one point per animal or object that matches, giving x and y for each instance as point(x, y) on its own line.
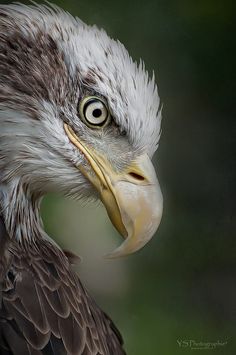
point(132, 198)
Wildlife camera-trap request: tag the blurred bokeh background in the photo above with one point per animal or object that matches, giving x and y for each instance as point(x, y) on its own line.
point(181, 286)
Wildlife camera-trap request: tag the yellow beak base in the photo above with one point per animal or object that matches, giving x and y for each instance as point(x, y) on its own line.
point(132, 198)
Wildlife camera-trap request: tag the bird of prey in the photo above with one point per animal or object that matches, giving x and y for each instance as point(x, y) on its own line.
point(80, 117)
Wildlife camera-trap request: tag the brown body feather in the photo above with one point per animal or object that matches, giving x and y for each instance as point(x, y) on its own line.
point(45, 309)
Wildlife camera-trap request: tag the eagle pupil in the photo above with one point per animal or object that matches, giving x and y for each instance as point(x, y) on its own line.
point(97, 112)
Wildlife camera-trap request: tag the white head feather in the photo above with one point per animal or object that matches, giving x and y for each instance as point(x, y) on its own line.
point(132, 96)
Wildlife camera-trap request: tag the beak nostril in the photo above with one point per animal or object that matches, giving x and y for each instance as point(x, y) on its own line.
point(137, 176)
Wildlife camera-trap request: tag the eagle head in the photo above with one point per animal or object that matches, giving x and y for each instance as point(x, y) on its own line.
point(78, 116)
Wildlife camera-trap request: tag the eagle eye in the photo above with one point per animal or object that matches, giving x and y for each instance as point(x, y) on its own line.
point(94, 112)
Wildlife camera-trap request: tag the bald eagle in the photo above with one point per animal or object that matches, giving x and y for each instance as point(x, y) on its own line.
point(80, 117)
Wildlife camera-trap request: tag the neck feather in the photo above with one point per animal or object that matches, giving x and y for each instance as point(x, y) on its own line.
point(19, 208)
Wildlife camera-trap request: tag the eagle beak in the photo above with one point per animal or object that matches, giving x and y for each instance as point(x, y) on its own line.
point(132, 198)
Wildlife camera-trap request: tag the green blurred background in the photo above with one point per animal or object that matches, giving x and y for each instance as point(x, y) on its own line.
point(181, 286)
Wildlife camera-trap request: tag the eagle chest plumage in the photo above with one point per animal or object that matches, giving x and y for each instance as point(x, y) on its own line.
point(79, 117)
point(44, 307)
